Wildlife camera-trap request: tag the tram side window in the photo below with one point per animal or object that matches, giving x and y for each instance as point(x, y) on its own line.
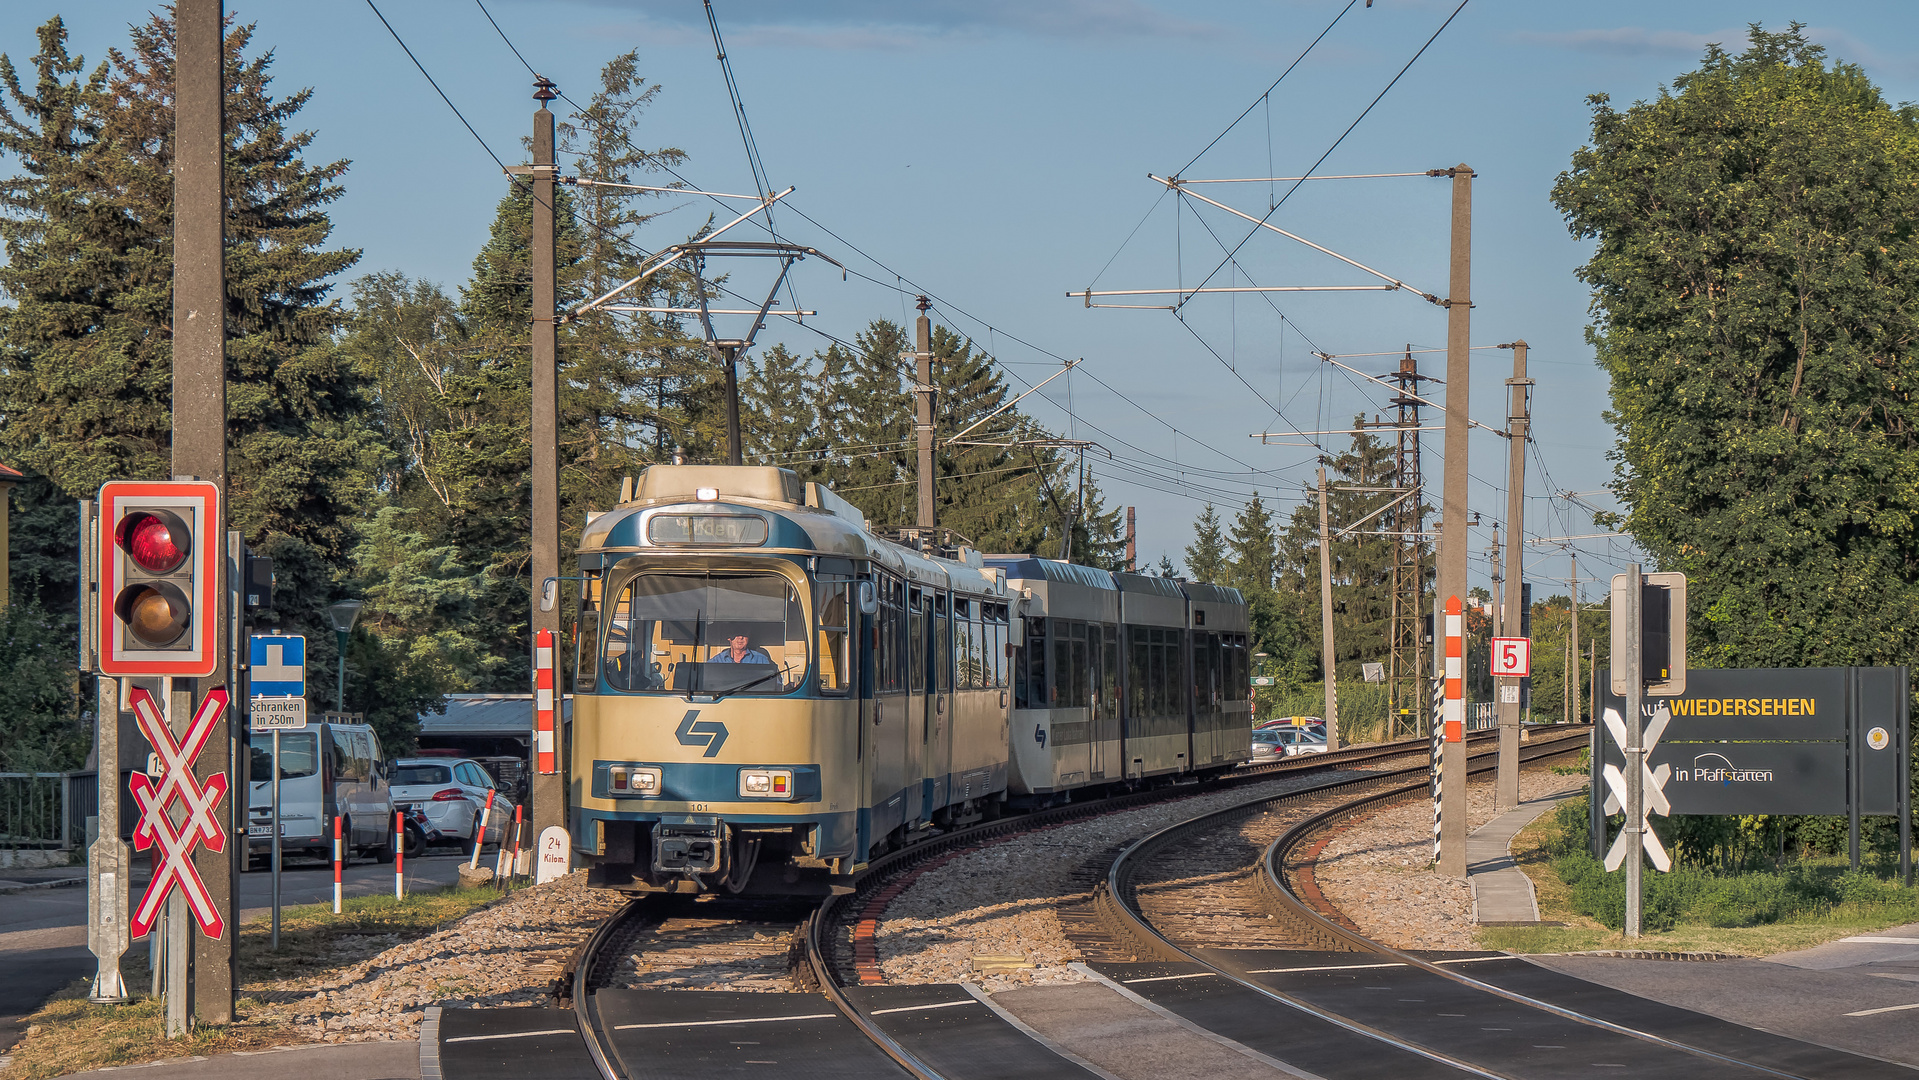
point(1136, 669)
point(1035, 657)
point(623, 654)
point(835, 672)
point(888, 633)
point(1002, 637)
point(1109, 672)
point(942, 681)
point(966, 645)
point(916, 640)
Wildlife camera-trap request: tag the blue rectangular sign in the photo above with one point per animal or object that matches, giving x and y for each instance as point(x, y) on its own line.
point(279, 663)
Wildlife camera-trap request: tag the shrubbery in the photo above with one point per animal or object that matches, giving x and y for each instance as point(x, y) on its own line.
point(1702, 896)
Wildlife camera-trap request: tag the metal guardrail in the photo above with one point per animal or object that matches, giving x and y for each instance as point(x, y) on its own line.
point(38, 811)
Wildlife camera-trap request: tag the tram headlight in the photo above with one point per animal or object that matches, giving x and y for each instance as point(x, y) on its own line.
point(633, 780)
point(766, 783)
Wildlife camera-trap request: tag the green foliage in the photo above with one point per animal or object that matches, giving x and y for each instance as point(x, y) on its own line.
point(39, 689)
point(1754, 285)
point(1206, 555)
point(1697, 896)
point(1255, 548)
point(1756, 293)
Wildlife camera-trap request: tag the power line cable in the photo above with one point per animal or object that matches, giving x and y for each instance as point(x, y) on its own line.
point(436, 86)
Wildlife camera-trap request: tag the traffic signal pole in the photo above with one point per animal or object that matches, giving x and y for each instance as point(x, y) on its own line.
point(1453, 540)
point(200, 434)
point(1518, 425)
point(548, 788)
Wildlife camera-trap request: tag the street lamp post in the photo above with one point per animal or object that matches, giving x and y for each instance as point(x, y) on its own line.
point(344, 614)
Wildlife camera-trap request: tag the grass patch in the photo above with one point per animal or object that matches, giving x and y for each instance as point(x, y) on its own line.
point(1691, 910)
point(69, 1034)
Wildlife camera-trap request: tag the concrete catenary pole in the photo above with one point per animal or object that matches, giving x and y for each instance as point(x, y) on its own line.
point(1326, 618)
point(549, 788)
point(1572, 689)
point(1453, 541)
point(1634, 663)
point(1518, 426)
point(923, 423)
point(200, 425)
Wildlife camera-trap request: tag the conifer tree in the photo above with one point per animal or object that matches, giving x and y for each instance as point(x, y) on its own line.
point(1255, 549)
point(988, 494)
point(1206, 555)
point(867, 423)
point(778, 421)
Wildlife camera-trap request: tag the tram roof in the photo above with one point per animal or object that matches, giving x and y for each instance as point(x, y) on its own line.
point(486, 714)
point(1029, 567)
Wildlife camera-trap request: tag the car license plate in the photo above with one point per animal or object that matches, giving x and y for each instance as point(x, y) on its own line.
point(265, 830)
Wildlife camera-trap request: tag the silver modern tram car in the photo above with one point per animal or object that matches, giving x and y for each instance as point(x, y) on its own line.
point(767, 694)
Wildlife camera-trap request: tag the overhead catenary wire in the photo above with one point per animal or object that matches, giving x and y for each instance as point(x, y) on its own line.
point(1176, 470)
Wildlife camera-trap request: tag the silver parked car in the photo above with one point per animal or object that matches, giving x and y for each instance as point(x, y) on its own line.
point(1294, 741)
point(444, 798)
point(1267, 747)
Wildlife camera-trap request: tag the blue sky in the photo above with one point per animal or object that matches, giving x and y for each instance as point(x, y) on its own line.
point(995, 153)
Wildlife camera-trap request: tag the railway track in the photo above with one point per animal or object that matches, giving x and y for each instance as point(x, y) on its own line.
point(615, 1014)
point(1231, 942)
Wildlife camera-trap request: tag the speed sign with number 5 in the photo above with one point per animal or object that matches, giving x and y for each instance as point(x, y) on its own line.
point(1512, 657)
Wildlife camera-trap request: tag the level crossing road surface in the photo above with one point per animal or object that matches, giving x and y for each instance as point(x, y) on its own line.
point(1466, 1023)
point(43, 931)
point(723, 1033)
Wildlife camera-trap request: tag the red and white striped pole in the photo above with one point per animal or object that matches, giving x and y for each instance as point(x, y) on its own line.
point(339, 861)
point(1455, 672)
point(479, 834)
point(399, 855)
point(546, 757)
point(516, 841)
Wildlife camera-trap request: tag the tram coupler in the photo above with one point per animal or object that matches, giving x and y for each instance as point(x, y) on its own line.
point(689, 844)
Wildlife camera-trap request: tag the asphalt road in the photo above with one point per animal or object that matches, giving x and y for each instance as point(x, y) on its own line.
point(43, 934)
point(1860, 993)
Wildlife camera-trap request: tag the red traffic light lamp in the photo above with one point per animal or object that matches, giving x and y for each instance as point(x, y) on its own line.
point(159, 608)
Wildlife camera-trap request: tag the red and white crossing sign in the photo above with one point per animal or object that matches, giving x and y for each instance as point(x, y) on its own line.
point(544, 704)
point(1512, 657)
point(196, 823)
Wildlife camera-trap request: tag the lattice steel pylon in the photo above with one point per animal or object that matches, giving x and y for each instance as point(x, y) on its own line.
point(1407, 678)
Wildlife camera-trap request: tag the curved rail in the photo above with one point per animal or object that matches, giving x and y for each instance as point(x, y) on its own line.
point(1286, 905)
point(821, 925)
point(1114, 900)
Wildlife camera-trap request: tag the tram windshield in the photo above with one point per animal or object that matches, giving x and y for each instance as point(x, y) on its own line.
point(707, 633)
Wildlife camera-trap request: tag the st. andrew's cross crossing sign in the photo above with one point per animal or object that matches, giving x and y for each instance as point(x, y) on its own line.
point(177, 791)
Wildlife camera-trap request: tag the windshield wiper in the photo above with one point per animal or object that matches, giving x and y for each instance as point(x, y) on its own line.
point(777, 670)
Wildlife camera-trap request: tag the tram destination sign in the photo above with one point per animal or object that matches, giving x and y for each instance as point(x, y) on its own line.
point(1776, 740)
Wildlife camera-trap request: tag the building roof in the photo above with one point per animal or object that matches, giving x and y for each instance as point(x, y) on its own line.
point(8, 474)
point(487, 714)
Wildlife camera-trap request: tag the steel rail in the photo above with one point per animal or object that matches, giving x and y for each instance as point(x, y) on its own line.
point(818, 932)
point(584, 1013)
point(1286, 905)
point(1116, 902)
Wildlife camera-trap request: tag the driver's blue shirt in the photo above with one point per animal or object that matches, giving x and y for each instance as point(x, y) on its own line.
point(750, 656)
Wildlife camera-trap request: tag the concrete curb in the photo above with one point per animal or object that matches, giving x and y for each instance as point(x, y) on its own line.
point(1650, 954)
point(56, 883)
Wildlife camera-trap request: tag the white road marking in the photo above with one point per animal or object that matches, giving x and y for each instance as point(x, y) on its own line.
point(1348, 967)
point(917, 1008)
point(722, 1023)
point(1170, 978)
point(1882, 940)
point(510, 1035)
point(1887, 1009)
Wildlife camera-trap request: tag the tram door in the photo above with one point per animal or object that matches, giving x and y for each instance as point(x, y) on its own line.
point(886, 734)
point(939, 693)
point(918, 702)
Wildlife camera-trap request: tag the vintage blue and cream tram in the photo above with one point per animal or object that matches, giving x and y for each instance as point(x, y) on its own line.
point(767, 694)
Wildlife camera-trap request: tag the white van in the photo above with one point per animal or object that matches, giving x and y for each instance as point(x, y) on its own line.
point(325, 770)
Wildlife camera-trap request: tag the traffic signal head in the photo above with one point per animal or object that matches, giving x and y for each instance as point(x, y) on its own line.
point(159, 604)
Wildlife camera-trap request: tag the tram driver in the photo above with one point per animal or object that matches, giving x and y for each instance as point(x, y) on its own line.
point(739, 651)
